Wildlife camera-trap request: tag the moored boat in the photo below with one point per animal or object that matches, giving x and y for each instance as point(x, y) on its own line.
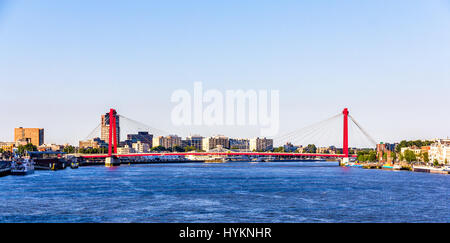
point(5, 168)
point(447, 168)
point(73, 162)
point(397, 167)
point(215, 160)
point(74, 165)
point(438, 170)
point(387, 167)
point(22, 167)
point(425, 169)
point(351, 164)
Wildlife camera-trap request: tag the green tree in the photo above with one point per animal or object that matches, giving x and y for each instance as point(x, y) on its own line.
point(190, 148)
point(279, 149)
point(417, 143)
point(69, 149)
point(426, 157)
point(21, 149)
point(435, 162)
point(311, 149)
point(362, 157)
point(410, 156)
point(394, 156)
point(158, 148)
point(366, 155)
point(177, 148)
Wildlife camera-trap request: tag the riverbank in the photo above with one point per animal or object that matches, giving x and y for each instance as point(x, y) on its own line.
point(406, 167)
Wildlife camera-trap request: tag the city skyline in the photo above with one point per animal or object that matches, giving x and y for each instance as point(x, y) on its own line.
point(64, 64)
point(248, 114)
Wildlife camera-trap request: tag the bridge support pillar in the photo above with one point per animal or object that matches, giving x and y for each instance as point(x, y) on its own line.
point(344, 161)
point(112, 161)
point(345, 149)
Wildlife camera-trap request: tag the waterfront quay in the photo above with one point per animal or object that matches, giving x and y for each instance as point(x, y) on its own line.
point(445, 170)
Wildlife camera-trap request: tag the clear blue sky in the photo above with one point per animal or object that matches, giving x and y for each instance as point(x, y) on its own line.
point(63, 63)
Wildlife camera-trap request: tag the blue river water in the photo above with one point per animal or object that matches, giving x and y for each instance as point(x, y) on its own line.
point(228, 192)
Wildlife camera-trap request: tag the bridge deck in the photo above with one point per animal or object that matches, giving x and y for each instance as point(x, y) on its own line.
point(220, 154)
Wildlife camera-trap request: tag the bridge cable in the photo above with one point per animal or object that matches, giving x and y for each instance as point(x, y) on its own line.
point(92, 133)
point(308, 130)
point(310, 134)
point(305, 128)
point(363, 131)
point(142, 126)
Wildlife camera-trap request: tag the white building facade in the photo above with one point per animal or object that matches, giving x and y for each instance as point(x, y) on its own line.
point(261, 144)
point(212, 142)
point(140, 147)
point(440, 151)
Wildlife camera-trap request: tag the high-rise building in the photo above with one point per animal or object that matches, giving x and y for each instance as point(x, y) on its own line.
point(261, 144)
point(105, 128)
point(212, 142)
point(239, 143)
point(194, 141)
point(29, 135)
point(167, 142)
point(143, 137)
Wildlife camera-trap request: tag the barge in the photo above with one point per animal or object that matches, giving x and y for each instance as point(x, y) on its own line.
point(49, 160)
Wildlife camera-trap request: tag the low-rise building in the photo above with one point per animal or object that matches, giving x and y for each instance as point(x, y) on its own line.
point(426, 149)
point(384, 152)
point(323, 150)
point(417, 151)
point(141, 147)
point(125, 150)
point(7, 146)
point(51, 147)
point(93, 143)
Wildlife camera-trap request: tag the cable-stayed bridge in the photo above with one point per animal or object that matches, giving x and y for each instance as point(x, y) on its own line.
point(308, 135)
